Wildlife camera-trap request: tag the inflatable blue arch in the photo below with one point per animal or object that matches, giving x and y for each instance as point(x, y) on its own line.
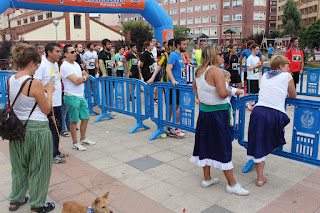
point(149, 9)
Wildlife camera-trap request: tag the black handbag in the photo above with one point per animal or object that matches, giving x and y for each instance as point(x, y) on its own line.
point(11, 128)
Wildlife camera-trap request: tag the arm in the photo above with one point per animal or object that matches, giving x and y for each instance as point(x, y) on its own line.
point(195, 89)
point(154, 74)
point(77, 80)
point(141, 64)
point(102, 68)
point(97, 64)
point(292, 93)
point(220, 83)
point(170, 75)
point(86, 75)
point(240, 62)
point(261, 61)
point(302, 63)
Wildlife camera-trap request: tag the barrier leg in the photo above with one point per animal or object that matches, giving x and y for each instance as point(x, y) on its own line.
point(92, 112)
point(103, 115)
point(139, 125)
point(159, 132)
point(247, 168)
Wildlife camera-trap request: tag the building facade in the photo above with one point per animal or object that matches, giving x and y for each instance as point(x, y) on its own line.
point(309, 10)
point(273, 16)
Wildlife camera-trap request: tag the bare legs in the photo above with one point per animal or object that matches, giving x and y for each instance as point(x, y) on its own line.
point(259, 168)
point(227, 173)
point(206, 173)
point(83, 129)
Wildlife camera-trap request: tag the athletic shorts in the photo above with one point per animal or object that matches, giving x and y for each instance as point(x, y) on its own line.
point(135, 74)
point(119, 73)
point(296, 77)
point(253, 86)
point(77, 108)
point(170, 96)
point(92, 72)
point(245, 76)
point(235, 77)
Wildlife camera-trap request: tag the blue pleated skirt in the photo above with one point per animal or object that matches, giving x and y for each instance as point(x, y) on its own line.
point(213, 145)
point(266, 132)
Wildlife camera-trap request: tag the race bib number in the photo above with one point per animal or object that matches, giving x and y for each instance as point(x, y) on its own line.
point(151, 68)
point(91, 64)
point(109, 64)
point(234, 66)
point(255, 70)
point(120, 63)
point(183, 73)
point(296, 58)
point(134, 62)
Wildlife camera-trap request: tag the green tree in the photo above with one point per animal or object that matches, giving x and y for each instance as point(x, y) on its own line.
point(291, 18)
point(310, 37)
point(181, 31)
point(140, 32)
point(275, 34)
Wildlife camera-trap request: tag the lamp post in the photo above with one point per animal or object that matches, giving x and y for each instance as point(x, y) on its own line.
point(56, 23)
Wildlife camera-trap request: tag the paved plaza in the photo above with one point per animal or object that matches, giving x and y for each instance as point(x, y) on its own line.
point(145, 176)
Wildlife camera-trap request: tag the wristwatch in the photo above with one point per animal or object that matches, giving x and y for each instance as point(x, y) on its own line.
point(84, 77)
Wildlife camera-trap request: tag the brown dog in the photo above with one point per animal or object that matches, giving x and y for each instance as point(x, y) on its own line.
point(100, 205)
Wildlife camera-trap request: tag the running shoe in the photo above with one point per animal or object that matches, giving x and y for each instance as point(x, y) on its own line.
point(176, 133)
point(237, 189)
point(87, 142)
point(79, 147)
point(209, 182)
point(248, 106)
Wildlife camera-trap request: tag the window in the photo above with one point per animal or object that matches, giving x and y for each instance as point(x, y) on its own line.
point(259, 16)
point(189, 9)
point(226, 17)
point(32, 19)
point(237, 17)
point(205, 19)
point(190, 21)
point(182, 10)
point(226, 4)
point(125, 19)
point(260, 3)
point(213, 6)
point(182, 1)
point(131, 18)
point(173, 1)
point(173, 11)
point(183, 21)
point(197, 31)
point(205, 31)
point(25, 21)
point(213, 31)
point(165, 2)
point(258, 29)
point(174, 22)
point(213, 19)
point(205, 7)
point(139, 18)
point(19, 22)
point(197, 8)
point(40, 17)
point(197, 20)
point(237, 3)
point(49, 15)
point(77, 21)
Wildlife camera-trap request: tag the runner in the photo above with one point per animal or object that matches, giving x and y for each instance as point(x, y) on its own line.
point(91, 60)
point(203, 44)
point(231, 64)
point(147, 61)
point(120, 60)
point(295, 55)
point(132, 65)
point(176, 73)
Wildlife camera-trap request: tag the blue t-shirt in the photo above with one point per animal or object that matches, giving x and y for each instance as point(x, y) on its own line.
point(178, 70)
point(270, 50)
point(121, 60)
point(247, 53)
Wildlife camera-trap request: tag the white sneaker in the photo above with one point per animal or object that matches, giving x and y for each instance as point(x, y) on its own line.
point(237, 189)
point(111, 113)
point(209, 182)
point(78, 146)
point(87, 142)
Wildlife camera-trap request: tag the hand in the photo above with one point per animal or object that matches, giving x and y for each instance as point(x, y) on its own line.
point(79, 81)
point(243, 69)
point(174, 83)
point(301, 71)
point(259, 64)
point(49, 87)
point(239, 92)
point(130, 73)
point(150, 81)
point(104, 75)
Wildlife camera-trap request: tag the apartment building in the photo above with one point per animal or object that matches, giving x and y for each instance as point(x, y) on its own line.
point(309, 10)
point(273, 16)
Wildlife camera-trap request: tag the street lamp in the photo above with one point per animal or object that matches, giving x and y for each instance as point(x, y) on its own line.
point(56, 23)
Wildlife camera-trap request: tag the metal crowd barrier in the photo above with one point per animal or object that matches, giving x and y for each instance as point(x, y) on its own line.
point(161, 115)
point(114, 95)
point(4, 77)
point(92, 94)
point(305, 135)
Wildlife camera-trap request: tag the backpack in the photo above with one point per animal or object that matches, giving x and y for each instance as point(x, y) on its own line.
point(11, 128)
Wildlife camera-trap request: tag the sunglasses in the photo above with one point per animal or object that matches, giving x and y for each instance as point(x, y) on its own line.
point(72, 52)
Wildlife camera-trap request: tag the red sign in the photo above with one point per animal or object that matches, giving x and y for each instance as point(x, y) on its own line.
point(125, 4)
point(167, 35)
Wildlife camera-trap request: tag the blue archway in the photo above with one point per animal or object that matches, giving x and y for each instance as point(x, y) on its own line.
point(149, 9)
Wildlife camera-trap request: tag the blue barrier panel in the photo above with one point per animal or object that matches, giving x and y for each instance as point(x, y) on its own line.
point(4, 77)
point(305, 136)
point(92, 97)
point(115, 96)
point(161, 115)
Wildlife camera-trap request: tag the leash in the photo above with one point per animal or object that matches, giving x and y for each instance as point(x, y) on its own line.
point(64, 152)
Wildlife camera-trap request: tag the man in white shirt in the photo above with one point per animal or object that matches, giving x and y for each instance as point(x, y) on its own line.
point(74, 79)
point(48, 68)
point(253, 66)
point(91, 59)
point(155, 65)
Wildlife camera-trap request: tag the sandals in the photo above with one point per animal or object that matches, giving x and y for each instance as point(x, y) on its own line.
point(65, 134)
point(48, 207)
point(261, 183)
point(18, 204)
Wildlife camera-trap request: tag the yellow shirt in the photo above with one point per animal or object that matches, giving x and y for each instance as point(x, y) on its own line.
point(198, 56)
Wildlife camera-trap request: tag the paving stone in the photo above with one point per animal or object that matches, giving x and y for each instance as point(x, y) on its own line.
point(145, 163)
point(216, 209)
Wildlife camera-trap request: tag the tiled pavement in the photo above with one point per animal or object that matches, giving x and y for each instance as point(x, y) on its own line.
point(156, 176)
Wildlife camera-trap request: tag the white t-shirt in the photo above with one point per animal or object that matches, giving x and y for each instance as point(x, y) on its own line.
point(67, 69)
point(90, 58)
point(155, 54)
point(251, 62)
point(273, 91)
point(44, 73)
